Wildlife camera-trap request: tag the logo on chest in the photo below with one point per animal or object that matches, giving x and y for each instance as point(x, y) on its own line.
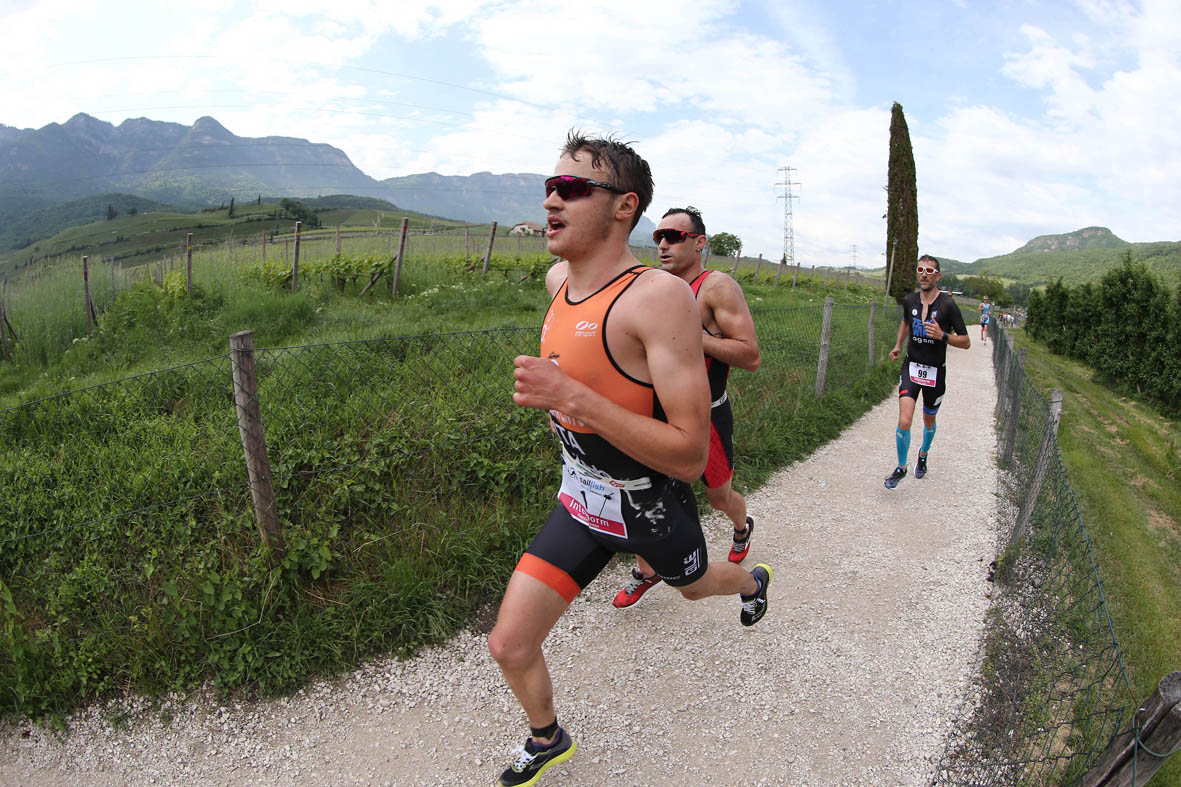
point(586, 328)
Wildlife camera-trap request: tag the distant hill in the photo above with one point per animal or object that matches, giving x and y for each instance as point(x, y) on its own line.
point(507, 199)
point(188, 166)
point(205, 164)
point(31, 227)
point(1075, 257)
point(1086, 238)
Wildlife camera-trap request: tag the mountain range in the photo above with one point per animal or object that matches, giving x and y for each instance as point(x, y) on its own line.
point(193, 167)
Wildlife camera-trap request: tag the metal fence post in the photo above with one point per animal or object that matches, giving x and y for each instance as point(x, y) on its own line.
point(189, 263)
point(1045, 451)
point(1136, 755)
point(254, 444)
point(825, 336)
point(873, 307)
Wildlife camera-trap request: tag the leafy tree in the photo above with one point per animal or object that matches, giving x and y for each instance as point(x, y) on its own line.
point(1135, 308)
point(1018, 293)
point(725, 244)
point(111, 212)
point(902, 208)
point(132, 210)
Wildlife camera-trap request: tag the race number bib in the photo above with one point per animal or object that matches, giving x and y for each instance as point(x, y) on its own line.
point(594, 502)
point(921, 374)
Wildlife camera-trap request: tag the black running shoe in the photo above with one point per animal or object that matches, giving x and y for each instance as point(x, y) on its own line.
point(893, 479)
point(528, 765)
point(754, 607)
point(920, 467)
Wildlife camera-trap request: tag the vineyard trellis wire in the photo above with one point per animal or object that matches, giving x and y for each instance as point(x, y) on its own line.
point(128, 552)
point(1052, 692)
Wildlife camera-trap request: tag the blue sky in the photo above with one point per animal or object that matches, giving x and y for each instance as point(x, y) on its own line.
point(1027, 117)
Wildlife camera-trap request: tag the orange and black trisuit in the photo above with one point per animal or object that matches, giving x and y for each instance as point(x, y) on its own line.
point(720, 467)
point(608, 502)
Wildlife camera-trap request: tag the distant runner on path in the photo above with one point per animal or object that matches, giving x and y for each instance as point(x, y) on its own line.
point(985, 317)
point(728, 337)
point(929, 318)
point(621, 376)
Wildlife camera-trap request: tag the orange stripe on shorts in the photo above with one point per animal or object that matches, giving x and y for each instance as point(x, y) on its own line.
point(551, 575)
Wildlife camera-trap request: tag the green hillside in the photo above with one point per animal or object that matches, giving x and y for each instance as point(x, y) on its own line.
point(45, 223)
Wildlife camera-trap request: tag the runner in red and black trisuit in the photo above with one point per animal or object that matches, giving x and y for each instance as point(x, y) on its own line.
point(929, 318)
point(728, 339)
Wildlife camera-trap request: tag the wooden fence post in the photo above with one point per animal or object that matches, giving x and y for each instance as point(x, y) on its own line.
point(873, 306)
point(890, 269)
point(1045, 451)
point(466, 243)
point(779, 273)
point(295, 261)
point(254, 444)
point(1016, 382)
point(337, 240)
point(488, 253)
point(758, 266)
point(795, 277)
point(825, 335)
point(114, 292)
point(86, 288)
point(4, 323)
point(264, 245)
point(1136, 755)
point(734, 266)
point(189, 263)
point(398, 259)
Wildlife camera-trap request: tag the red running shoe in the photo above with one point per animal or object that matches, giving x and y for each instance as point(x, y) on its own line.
point(633, 590)
point(741, 548)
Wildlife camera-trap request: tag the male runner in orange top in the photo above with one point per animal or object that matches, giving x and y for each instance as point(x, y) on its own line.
point(621, 377)
point(728, 338)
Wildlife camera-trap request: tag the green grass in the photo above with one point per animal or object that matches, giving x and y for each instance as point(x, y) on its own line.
point(131, 558)
point(1124, 461)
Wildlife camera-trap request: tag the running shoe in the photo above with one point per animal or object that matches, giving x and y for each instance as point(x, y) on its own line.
point(633, 590)
point(893, 479)
point(741, 546)
point(920, 467)
point(754, 607)
point(529, 764)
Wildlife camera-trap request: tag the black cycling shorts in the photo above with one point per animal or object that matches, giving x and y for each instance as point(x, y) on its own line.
point(932, 394)
point(663, 528)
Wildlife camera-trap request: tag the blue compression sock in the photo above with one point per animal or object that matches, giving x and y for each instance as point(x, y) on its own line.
point(903, 440)
point(928, 436)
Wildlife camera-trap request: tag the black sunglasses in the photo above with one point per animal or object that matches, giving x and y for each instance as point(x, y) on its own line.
point(673, 236)
point(574, 187)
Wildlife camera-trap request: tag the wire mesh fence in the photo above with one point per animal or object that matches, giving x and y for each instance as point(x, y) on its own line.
point(1052, 691)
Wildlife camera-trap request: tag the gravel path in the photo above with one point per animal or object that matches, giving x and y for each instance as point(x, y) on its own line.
point(854, 677)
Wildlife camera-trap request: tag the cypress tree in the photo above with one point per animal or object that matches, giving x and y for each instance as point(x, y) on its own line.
point(902, 209)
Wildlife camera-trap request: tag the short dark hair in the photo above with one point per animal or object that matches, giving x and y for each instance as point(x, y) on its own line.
point(630, 172)
point(694, 217)
point(929, 258)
